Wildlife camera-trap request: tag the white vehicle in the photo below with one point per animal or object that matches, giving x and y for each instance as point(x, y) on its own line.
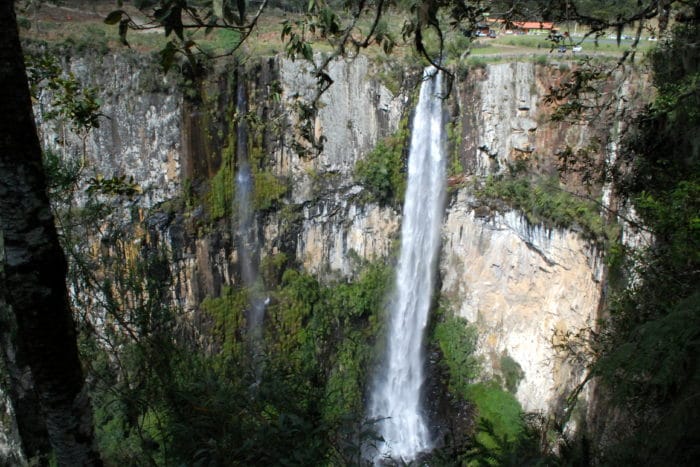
point(576, 48)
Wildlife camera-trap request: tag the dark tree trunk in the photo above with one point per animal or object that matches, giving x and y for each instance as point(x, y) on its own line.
point(34, 264)
point(20, 387)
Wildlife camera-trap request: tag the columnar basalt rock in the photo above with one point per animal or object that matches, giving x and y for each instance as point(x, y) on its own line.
point(522, 286)
point(519, 283)
point(140, 125)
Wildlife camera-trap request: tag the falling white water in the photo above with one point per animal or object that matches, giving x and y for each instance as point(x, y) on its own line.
point(396, 394)
point(244, 232)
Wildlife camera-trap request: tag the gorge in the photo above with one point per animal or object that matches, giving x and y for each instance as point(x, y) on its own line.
point(398, 272)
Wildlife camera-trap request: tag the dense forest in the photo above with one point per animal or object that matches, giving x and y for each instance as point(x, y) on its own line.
point(103, 366)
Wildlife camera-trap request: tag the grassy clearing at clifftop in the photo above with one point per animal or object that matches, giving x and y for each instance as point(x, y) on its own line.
point(85, 30)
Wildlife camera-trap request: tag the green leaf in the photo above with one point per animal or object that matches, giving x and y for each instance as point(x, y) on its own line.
point(307, 51)
point(123, 29)
point(176, 22)
point(286, 29)
point(167, 56)
point(114, 17)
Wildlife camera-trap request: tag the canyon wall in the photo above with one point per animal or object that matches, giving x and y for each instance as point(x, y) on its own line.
point(520, 284)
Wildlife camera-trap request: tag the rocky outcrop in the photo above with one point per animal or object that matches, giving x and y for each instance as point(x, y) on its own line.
point(503, 119)
point(352, 116)
point(140, 125)
point(336, 234)
point(522, 286)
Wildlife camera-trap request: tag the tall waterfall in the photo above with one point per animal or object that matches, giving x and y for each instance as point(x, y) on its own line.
point(247, 248)
point(396, 394)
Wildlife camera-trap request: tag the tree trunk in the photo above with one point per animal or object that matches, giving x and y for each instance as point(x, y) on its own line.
point(20, 388)
point(34, 264)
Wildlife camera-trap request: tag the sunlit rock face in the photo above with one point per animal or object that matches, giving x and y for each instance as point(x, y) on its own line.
point(522, 286)
point(336, 227)
point(140, 127)
point(353, 115)
point(504, 119)
point(336, 233)
point(505, 116)
point(520, 283)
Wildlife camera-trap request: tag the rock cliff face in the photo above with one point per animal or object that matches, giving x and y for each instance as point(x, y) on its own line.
point(521, 284)
point(354, 114)
point(524, 286)
point(140, 133)
point(504, 119)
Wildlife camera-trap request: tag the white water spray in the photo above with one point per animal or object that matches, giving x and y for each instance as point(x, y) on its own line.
point(244, 231)
point(396, 394)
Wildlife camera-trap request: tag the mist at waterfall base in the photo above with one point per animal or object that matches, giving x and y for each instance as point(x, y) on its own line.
point(396, 393)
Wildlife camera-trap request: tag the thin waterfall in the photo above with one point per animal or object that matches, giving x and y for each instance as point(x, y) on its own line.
point(245, 234)
point(395, 399)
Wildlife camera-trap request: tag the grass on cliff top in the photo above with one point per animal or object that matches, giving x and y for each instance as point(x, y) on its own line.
point(85, 30)
point(508, 44)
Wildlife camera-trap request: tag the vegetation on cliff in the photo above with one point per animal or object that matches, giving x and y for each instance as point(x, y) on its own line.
point(382, 172)
point(647, 354)
point(165, 394)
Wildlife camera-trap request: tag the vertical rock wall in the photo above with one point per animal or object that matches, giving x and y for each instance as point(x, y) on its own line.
point(503, 118)
point(522, 286)
point(140, 125)
point(10, 448)
point(519, 283)
point(354, 114)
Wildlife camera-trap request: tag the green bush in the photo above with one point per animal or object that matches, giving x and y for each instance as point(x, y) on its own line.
point(271, 269)
point(382, 172)
point(512, 373)
point(457, 45)
point(221, 188)
point(331, 328)
point(543, 201)
point(476, 62)
point(457, 342)
point(228, 312)
point(542, 60)
point(268, 190)
point(499, 409)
